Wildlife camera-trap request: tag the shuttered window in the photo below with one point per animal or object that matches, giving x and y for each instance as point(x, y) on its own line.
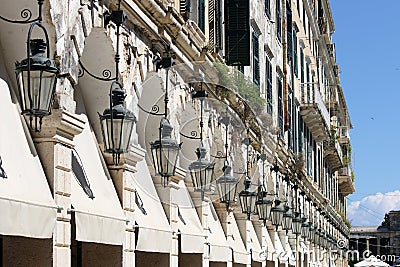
point(268, 8)
point(295, 60)
point(278, 20)
point(289, 30)
point(237, 32)
point(214, 23)
point(268, 85)
point(202, 14)
point(290, 118)
point(256, 59)
point(280, 105)
point(184, 8)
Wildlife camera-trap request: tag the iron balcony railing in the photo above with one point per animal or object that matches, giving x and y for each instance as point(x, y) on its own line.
point(311, 96)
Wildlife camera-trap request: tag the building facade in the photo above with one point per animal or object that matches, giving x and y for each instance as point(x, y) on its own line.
point(381, 241)
point(267, 65)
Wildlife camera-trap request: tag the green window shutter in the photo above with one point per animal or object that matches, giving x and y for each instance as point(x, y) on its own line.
point(237, 32)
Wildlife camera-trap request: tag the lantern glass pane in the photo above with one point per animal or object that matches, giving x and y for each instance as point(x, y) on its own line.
point(209, 174)
point(296, 226)
point(196, 179)
point(287, 222)
point(276, 216)
point(122, 130)
point(227, 191)
point(305, 230)
point(127, 129)
point(41, 90)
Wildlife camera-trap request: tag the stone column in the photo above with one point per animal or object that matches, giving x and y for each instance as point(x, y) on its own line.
point(262, 231)
point(244, 227)
point(123, 182)
point(54, 143)
point(367, 242)
point(204, 218)
point(220, 208)
point(171, 209)
point(378, 245)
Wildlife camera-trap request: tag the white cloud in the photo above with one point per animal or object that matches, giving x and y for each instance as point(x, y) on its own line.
point(371, 210)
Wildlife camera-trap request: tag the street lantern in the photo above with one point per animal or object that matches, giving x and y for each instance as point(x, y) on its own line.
point(287, 219)
point(248, 199)
point(277, 214)
point(201, 171)
point(263, 204)
point(116, 123)
point(311, 233)
point(165, 151)
point(227, 186)
point(296, 224)
point(36, 79)
point(305, 228)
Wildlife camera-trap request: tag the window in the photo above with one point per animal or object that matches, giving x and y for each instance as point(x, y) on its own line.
point(290, 119)
point(300, 134)
point(295, 61)
point(237, 32)
point(308, 82)
point(278, 20)
point(256, 59)
point(301, 67)
point(184, 8)
point(268, 85)
point(202, 12)
point(240, 68)
point(289, 29)
point(214, 23)
point(310, 152)
point(280, 105)
point(268, 8)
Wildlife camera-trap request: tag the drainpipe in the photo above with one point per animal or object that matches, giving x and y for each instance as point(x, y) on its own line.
point(285, 82)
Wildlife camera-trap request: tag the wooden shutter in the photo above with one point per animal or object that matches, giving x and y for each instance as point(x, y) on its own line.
point(184, 8)
point(237, 32)
point(289, 31)
point(211, 21)
point(256, 59)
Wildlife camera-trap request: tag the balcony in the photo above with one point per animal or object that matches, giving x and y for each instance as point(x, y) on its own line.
point(314, 113)
point(346, 183)
point(333, 154)
point(344, 135)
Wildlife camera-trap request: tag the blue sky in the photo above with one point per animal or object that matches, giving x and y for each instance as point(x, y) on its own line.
point(367, 47)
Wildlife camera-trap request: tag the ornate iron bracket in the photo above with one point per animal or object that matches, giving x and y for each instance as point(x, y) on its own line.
point(106, 73)
point(26, 16)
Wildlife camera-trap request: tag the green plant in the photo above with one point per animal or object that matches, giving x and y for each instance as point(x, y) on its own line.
point(346, 160)
point(345, 220)
point(333, 136)
point(353, 176)
point(237, 82)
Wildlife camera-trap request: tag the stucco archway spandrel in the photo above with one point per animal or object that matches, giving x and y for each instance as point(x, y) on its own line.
point(97, 57)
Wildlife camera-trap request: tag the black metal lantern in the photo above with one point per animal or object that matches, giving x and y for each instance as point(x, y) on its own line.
point(311, 233)
point(165, 151)
point(296, 224)
point(248, 199)
point(227, 186)
point(287, 219)
point(117, 123)
point(36, 78)
point(201, 171)
point(264, 205)
point(305, 229)
point(277, 214)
